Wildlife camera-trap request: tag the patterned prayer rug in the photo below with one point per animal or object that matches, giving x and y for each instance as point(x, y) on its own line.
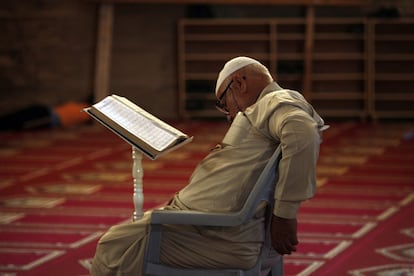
point(60, 190)
point(361, 220)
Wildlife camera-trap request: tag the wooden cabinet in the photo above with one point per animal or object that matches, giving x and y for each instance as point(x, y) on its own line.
point(347, 67)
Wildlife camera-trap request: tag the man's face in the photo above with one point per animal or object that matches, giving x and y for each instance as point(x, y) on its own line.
point(238, 93)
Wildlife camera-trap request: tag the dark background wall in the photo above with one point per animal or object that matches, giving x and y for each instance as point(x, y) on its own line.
point(47, 48)
point(46, 52)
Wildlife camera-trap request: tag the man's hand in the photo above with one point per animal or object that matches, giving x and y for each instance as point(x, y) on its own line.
point(283, 233)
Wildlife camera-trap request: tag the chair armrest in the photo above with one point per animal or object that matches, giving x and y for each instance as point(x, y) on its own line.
point(197, 218)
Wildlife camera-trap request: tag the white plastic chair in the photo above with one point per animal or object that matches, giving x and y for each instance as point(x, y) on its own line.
point(262, 191)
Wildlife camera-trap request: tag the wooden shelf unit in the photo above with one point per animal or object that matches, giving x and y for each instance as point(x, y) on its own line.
point(393, 66)
point(339, 72)
point(204, 46)
point(348, 67)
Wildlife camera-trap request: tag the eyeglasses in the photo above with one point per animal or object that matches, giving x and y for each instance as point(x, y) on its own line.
point(219, 106)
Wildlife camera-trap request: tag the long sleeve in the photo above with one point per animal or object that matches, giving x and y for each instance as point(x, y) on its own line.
point(300, 139)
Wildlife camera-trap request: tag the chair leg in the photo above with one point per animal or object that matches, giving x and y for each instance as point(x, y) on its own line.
point(277, 269)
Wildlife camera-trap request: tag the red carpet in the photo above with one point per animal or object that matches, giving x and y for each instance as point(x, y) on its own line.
point(361, 221)
point(61, 189)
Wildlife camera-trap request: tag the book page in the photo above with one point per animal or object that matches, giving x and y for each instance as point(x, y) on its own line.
point(136, 123)
point(149, 115)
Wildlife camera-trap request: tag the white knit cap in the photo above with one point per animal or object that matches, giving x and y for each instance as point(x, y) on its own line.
point(232, 66)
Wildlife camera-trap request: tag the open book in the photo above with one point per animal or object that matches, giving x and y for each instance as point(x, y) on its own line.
point(136, 126)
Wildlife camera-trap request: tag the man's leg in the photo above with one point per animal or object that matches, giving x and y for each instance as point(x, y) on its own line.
point(121, 250)
point(36, 116)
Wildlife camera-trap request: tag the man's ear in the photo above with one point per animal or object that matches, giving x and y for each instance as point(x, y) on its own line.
point(240, 83)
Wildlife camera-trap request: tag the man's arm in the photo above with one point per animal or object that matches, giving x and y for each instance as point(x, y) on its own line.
point(300, 139)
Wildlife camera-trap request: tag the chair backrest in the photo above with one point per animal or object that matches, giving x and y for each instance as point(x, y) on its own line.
point(264, 187)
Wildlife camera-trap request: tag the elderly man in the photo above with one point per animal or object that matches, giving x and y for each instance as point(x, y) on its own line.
point(262, 116)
